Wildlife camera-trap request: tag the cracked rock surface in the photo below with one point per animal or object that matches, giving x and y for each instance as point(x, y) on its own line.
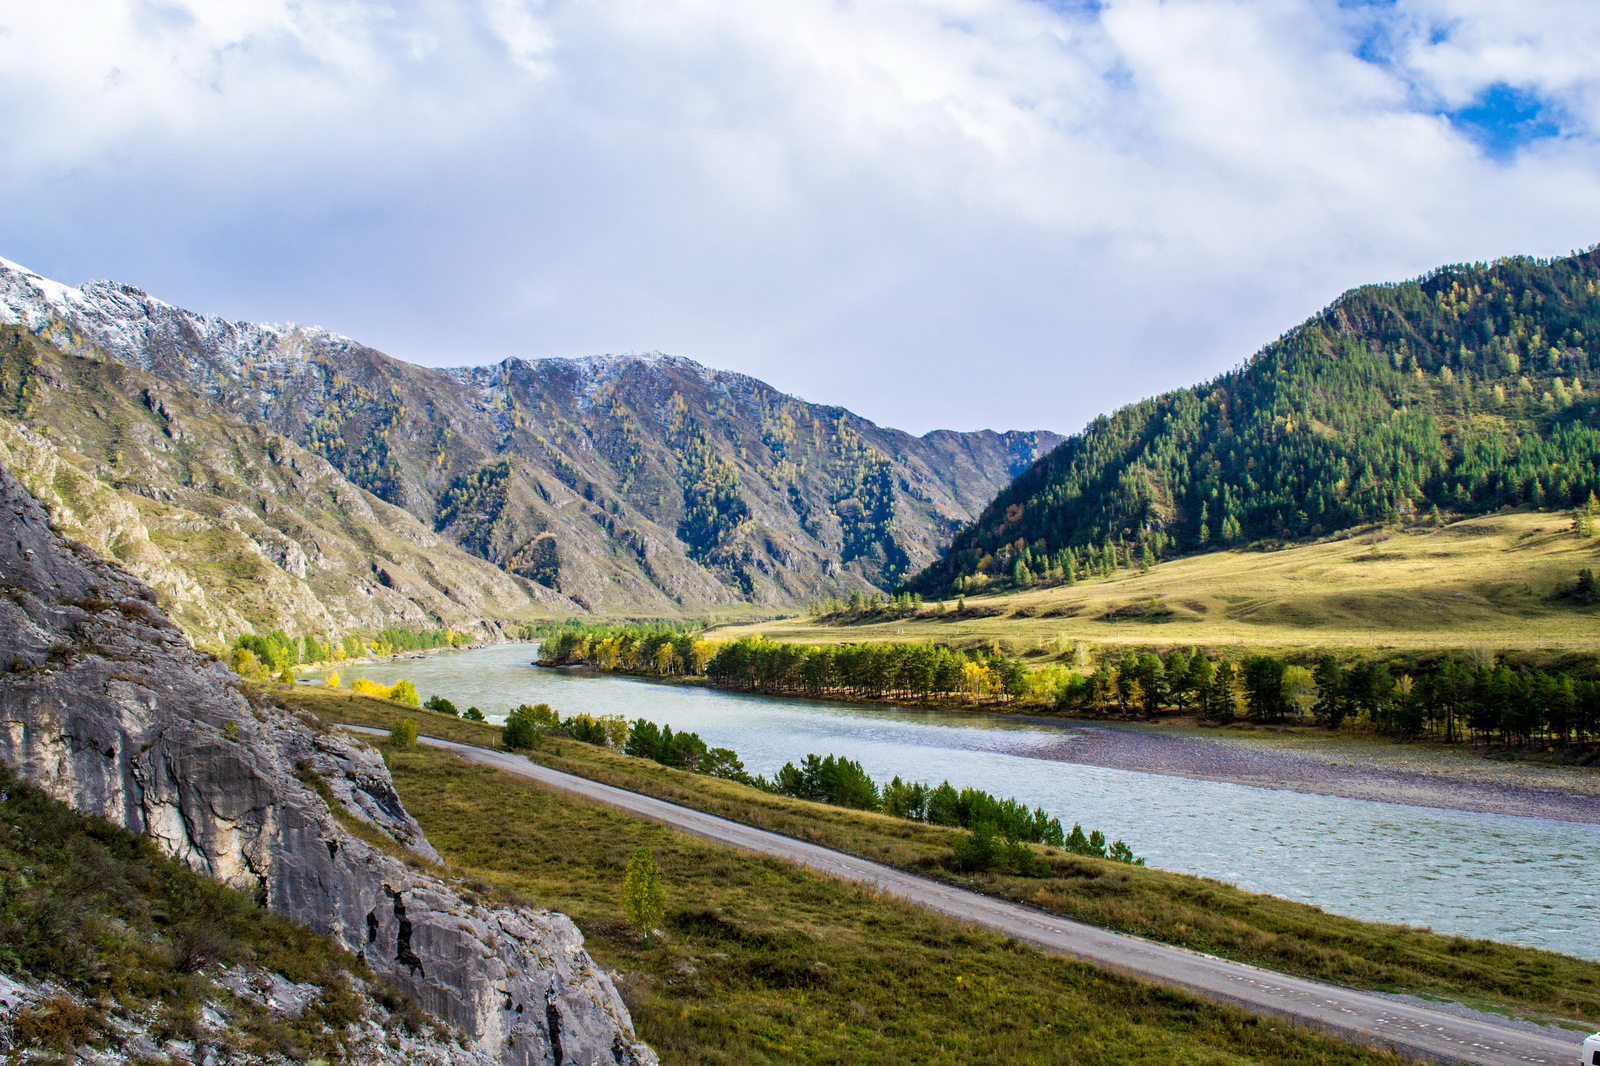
point(104, 704)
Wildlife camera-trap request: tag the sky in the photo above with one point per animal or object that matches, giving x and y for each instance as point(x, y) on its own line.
point(939, 213)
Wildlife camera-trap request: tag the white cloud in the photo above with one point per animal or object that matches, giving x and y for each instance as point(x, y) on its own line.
point(940, 212)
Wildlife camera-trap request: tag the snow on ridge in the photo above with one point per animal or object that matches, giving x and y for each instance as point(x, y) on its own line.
point(25, 295)
point(129, 325)
point(593, 371)
point(134, 327)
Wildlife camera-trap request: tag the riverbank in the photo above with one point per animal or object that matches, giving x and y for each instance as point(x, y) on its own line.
point(1511, 879)
point(1296, 759)
point(1366, 768)
point(384, 660)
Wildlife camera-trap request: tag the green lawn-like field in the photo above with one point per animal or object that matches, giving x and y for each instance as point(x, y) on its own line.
point(1490, 581)
point(1181, 909)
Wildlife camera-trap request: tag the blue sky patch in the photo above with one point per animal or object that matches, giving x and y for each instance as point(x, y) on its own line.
point(1504, 119)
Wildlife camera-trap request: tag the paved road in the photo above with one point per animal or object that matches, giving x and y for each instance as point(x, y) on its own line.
point(1410, 1030)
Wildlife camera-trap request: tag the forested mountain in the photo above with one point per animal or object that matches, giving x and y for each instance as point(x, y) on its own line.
point(1466, 390)
point(641, 484)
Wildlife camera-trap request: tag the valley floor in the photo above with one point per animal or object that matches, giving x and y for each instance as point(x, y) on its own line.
point(1490, 582)
point(1416, 1028)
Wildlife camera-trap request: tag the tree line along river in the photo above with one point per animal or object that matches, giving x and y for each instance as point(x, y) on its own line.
point(1531, 881)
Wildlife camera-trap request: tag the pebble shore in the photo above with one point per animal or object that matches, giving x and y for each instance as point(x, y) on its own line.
point(1358, 769)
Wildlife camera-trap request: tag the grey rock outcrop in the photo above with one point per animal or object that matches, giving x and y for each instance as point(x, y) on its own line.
point(137, 1038)
point(104, 704)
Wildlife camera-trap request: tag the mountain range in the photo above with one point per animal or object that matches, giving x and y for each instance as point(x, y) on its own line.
point(285, 476)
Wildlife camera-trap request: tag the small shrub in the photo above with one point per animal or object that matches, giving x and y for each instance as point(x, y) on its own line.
point(520, 731)
point(404, 734)
point(401, 691)
point(472, 714)
point(1023, 862)
point(644, 901)
point(976, 850)
point(246, 664)
point(60, 1023)
point(199, 944)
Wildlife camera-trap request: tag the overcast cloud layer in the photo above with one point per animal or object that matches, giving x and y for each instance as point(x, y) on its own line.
point(957, 213)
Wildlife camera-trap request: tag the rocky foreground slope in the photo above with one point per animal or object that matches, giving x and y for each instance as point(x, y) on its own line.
point(641, 484)
point(106, 707)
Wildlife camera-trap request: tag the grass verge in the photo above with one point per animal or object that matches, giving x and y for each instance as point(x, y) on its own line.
point(762, 961)
point(1194, 912)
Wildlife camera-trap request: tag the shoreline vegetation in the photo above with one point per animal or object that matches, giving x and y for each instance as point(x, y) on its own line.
point(997, 831)
point(1289, 754)
point(1194, 912)
point(1480, 700)
point(277, 653)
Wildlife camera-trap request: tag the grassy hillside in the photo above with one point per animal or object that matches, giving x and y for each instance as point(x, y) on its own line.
point(237, 528)
point(1178, 908)
point(1462, 392)
point(1494, 581)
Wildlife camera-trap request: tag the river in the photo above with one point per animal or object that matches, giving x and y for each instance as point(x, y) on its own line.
point(1531, 881)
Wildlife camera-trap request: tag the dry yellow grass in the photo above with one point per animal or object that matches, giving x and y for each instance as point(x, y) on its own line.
point(1486, 581)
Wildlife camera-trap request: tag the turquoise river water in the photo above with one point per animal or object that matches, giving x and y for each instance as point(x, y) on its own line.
point(1528, 881)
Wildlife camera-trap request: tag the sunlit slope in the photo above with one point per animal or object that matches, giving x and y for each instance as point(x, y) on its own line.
point(1466, 391)
point(1492, 580)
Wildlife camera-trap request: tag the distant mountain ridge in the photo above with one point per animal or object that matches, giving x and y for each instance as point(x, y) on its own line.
point(636, 484)
point(237, 528)
point(1468, 389)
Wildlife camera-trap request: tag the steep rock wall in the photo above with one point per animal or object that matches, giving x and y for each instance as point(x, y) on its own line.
point(105, 705)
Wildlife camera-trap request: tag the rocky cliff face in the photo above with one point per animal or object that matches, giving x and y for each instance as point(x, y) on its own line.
point(645, 484)
point(104, 704)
